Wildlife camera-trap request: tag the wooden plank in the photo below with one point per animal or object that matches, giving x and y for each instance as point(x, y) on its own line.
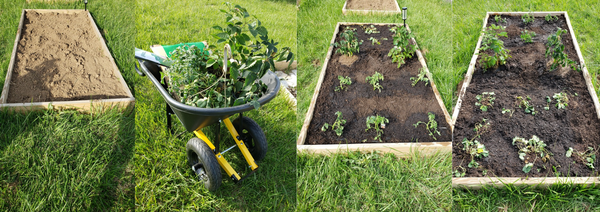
point(346, 11)
point(479, 182)
point(399, 149)
point(4, 96)
point(81, 105)
point(543, 182)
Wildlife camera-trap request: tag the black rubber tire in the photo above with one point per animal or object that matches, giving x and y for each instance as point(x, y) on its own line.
point(199, 152)
point(253, 136)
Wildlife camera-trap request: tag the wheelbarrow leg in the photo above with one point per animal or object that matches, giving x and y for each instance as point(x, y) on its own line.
point(218, 136)
point(169, 112)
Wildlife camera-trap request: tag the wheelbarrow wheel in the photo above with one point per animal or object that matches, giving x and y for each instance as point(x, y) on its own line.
point(204, 163)
point(253, 136)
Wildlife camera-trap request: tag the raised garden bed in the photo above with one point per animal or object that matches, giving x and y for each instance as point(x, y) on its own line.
point(401, 103)
point(527, 89)
point(371, 6)
point(60, 58)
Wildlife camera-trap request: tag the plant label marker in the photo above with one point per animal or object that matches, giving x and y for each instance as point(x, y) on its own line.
point(404, 14)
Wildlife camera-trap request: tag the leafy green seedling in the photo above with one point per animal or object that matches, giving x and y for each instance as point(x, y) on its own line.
point(343, 81)
point(527, 167)
point(403, 49)
point(374, 41)
point(562, 100)
point(548, 100)
point(459, 173)
point(378, 123)
point(588, 157)
point(527, 36)
point(337, 126)
point(349, 42)
point(473, 147)
point(431, 125)
point(492, 41)
point(509, 111)
point(551, 18)
point(527, 18)
point(374, 81)
point(556, 50)
point(524, 103)
point(371, 30)
point(485, 100)
point(529, 149)
point(499, 19)
point(420, 77)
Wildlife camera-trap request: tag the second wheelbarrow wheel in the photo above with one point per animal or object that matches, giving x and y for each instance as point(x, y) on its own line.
point(253, 136)
point(204, 163)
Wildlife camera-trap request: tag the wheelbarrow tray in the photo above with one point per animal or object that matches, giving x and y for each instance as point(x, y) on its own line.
point(194, 118)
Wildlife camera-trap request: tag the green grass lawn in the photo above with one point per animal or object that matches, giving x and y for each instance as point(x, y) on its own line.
point(68, 161)
point(468, 19)
point(164, 181)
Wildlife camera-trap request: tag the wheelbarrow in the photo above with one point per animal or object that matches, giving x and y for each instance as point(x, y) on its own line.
point(204, 156)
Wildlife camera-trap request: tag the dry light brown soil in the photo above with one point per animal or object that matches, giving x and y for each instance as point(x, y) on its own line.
point(398, 101)
point(528, 73)
point(60, 58)
point(386, 5)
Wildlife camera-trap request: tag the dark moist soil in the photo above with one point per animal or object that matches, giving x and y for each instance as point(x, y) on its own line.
point(528, 73)
point(398, 101)
point(386, 5)
point(60, 58)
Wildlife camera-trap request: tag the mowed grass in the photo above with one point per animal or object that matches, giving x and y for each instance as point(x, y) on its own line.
point(164, 181)
point(468, 20)
point(366, 181)
point(69, 161)
point(373, 182)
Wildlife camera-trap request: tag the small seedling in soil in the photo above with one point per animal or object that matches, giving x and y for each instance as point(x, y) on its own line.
point(551, 18)
point(371, 30)
point(530, 149)
point(420, 77)
point(402, 49)
point(459, 173)
point(343, 81)
point(588, 157)
point(499, 19)
point(473, 147)
point(556, 50)
point(527, 18)
point(431, 125)
point(548, 100)
point(493, 42)
point(374, 41)
point(337, 126)
point(378, 123)
point(524, 103)
point(562, 99)
point(374, 81)
point(527, 36)
point(509, 111)
point(485, 100)
point(349, 42)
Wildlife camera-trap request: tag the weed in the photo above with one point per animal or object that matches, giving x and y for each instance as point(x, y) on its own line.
point(492, 41)
point(378, 123)
point(337, 126)
point(499, 19)
point(588, 157)
point(551, 18)
point(524, 102)
point(343, 81)
point(527, 18)
point(431, 125)
point(527, 36)
point(349, 42)
point(420, 77)
point(562, 100)
point(370, 30)
point(485, 100)
point(374, 81)
point(509, 111)
point(556, 51)
point(374, 41)
point(402, 49)
point(531, 148)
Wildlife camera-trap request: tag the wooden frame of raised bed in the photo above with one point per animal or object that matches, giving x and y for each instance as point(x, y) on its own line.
point(399, 149)
point(346, 11)
point(478, 182)
point(81, 105)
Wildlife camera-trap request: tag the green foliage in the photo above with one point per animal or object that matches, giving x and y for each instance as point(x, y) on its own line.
point(551, 18)
point(588, 157)
point(459, 173)
point(562, 100)
point(475, 149)
point(491, 41)
point(529, 149)
point(485, 100)
point(509, 111)
point(349, 42)
point(499, 19)
point(527, 18)
point(403, 49)
point(343, 81)
point(422, 76)
point(370, 29)
point(337, 126)
point(374, 41)
point(378, 123)
point(556, 50)
point(431, 125)
point(524, 103)
point(527, 36)
point(374, 81)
